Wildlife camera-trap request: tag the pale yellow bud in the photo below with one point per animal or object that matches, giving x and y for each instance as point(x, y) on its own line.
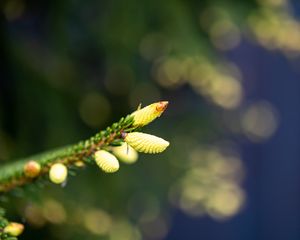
point(106, 161)
point(79, 164)
point(149, 113)
point(146, 143)
point(58, 173)
point(32, 169)
point(14, 229)
point(125, 153)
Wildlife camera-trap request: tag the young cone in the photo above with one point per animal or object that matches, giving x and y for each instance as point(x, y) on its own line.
point(58, 173)
point(107, 161)
point(149, 113)
point(145, 143)
point(125, 153)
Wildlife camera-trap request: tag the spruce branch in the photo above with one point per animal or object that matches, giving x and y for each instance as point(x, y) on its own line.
point(30, 169)
point(99, 149)
point(12, 175)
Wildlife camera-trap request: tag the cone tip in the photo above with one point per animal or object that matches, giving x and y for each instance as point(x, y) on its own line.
point(162, 105)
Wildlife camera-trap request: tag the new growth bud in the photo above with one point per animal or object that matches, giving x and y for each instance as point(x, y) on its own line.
point(149, 113)
point(106, 161)
point(125, 153)
point(32, 169)
point(58, 173)
point(14, 229)
point(145, 143)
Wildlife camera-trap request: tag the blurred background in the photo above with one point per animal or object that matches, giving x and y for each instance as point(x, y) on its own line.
point(230, 70)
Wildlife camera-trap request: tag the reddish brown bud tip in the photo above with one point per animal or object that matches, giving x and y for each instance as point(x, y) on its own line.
point(161, 106)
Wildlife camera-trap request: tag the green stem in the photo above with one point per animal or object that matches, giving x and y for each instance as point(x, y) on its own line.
point(12, 175)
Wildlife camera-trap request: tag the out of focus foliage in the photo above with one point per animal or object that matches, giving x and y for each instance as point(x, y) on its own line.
point(71, 67)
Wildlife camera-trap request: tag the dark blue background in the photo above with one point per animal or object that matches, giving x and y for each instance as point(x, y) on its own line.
point(272, 209)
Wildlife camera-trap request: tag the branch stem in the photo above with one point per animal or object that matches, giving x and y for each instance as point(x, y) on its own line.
point(12, 175)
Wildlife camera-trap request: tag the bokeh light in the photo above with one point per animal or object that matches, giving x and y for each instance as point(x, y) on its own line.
point(218, 84)
point(272, 24)
point(54, 211)
point(259, 121)
point(97, 222)
point(211, 185)
point(94, 109)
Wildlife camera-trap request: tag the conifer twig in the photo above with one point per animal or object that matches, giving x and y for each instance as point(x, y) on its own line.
point(96, 149)
point(27, 170)
point(12, 175)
